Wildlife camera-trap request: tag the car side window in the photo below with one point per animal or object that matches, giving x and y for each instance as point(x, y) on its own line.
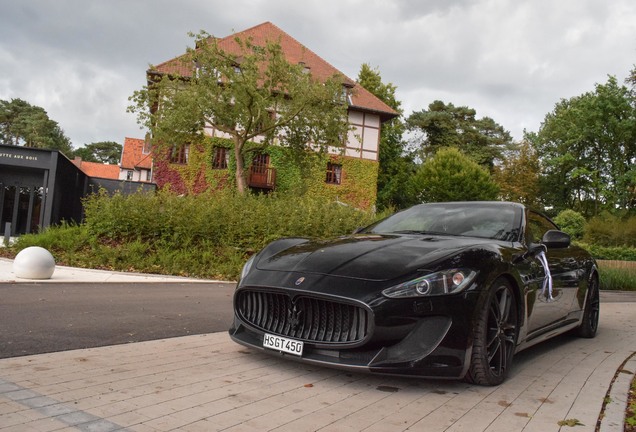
point(537, 226)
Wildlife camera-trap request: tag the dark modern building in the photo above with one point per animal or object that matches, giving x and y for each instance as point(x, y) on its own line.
point(39, 188)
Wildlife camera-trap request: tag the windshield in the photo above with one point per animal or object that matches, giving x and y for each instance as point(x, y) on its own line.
point(499, 221)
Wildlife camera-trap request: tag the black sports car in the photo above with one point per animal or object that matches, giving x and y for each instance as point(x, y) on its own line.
point(447, 290)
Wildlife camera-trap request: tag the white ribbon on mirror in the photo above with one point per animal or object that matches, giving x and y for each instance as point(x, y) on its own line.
point(547, 282)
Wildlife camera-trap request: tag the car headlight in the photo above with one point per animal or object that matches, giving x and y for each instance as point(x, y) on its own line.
point(443, 282)
point(247, 267)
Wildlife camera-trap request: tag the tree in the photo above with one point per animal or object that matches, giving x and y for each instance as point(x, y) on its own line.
point(452, 176)
point(571, 222)
point(103, 151)
point(518, 175)
point(587, 146)
point(444, 125)
point(396, 167)
point(253, 92)
point(631, 78)
point(24, 124)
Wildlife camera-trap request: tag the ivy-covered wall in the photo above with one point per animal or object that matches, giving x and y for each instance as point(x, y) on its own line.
point(197, 175)
point(302, 174)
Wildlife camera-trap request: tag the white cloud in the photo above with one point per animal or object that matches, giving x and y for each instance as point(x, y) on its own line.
point(511, 60)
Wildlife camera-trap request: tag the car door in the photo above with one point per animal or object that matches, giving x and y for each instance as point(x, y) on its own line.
point(553, 280)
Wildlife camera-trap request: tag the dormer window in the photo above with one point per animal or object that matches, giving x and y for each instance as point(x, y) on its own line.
point(147, 145)
point(346, 95)
point(306, 69)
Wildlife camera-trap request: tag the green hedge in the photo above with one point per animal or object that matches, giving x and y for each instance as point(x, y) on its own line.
point(617, 280)
point(620, 253)
point(207, 235)
point(611, 230)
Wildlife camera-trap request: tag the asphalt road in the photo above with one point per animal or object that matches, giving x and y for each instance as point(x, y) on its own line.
point(48, 317)
point(43, 317)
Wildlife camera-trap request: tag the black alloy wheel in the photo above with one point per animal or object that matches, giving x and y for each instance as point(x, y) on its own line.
point(589, 325)
point(495, 336)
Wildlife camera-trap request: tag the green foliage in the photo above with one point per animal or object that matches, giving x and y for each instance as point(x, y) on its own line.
point(617, 280)
point(444, 125)
point(24, 124)
point(103, 151)
point(297, 173)
point(209, 235)
point(619, 253)
point(608, 229)
point(630, 413)
point(252, 91)
point(452, 176)
point(371, 80)
point(518, 176)
point(396, 168)
point(587, 146)
point(70, 238)
point(197, 175)
point(359, 177)
point(570, 422)
point(571, 222)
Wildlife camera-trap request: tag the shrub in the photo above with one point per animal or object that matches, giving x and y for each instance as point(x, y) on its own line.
point(571, 222)
point(207, 236)
point(617, 280)
point(620, 253)
point(452, 176)
point(610, 230)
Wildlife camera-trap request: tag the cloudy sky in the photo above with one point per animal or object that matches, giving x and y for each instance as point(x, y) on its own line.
point(511, 60)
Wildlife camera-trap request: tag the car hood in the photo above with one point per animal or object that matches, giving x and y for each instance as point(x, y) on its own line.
point(368, 257)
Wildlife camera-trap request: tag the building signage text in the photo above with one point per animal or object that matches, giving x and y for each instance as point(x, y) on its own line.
point(18, 156)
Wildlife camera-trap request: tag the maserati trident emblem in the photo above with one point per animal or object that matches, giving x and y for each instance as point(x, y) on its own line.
point(299, 281)
point(294, 317)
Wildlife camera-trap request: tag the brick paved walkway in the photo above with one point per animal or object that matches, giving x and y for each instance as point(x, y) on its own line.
point(208, 383)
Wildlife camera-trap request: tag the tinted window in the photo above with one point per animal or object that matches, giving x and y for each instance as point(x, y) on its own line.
point(495, 221)
point(538, 225)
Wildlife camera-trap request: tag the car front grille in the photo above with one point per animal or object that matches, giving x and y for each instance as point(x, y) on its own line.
point(305, 318)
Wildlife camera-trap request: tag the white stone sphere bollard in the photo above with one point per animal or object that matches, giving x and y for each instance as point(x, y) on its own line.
point(34, 262)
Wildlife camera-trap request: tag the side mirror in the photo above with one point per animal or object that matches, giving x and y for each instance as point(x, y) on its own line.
point(556, 239)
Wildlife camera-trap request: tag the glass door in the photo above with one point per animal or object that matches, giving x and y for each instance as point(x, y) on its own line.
point(21, 206)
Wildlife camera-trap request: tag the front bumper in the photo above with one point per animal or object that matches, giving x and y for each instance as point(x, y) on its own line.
point(424, 338)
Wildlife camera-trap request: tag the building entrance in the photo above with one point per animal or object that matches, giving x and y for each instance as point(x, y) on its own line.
point(21, 207)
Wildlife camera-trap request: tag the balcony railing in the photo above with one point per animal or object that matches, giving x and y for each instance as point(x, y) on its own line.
point(262, 177)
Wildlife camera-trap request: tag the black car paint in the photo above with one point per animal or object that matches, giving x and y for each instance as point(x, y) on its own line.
point(428, 336)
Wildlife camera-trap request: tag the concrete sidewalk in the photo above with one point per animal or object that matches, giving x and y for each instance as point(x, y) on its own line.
point(208, 383)
point(72, 274)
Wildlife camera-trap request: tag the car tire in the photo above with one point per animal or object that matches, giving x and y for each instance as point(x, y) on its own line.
point(495, 336)
point(591, 313)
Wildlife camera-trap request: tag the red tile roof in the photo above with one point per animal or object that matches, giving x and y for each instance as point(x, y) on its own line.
point(133, 156)
point(295, 53)
point(97, 169)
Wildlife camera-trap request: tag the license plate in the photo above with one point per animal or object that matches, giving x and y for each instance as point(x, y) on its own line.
point(283, 344)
